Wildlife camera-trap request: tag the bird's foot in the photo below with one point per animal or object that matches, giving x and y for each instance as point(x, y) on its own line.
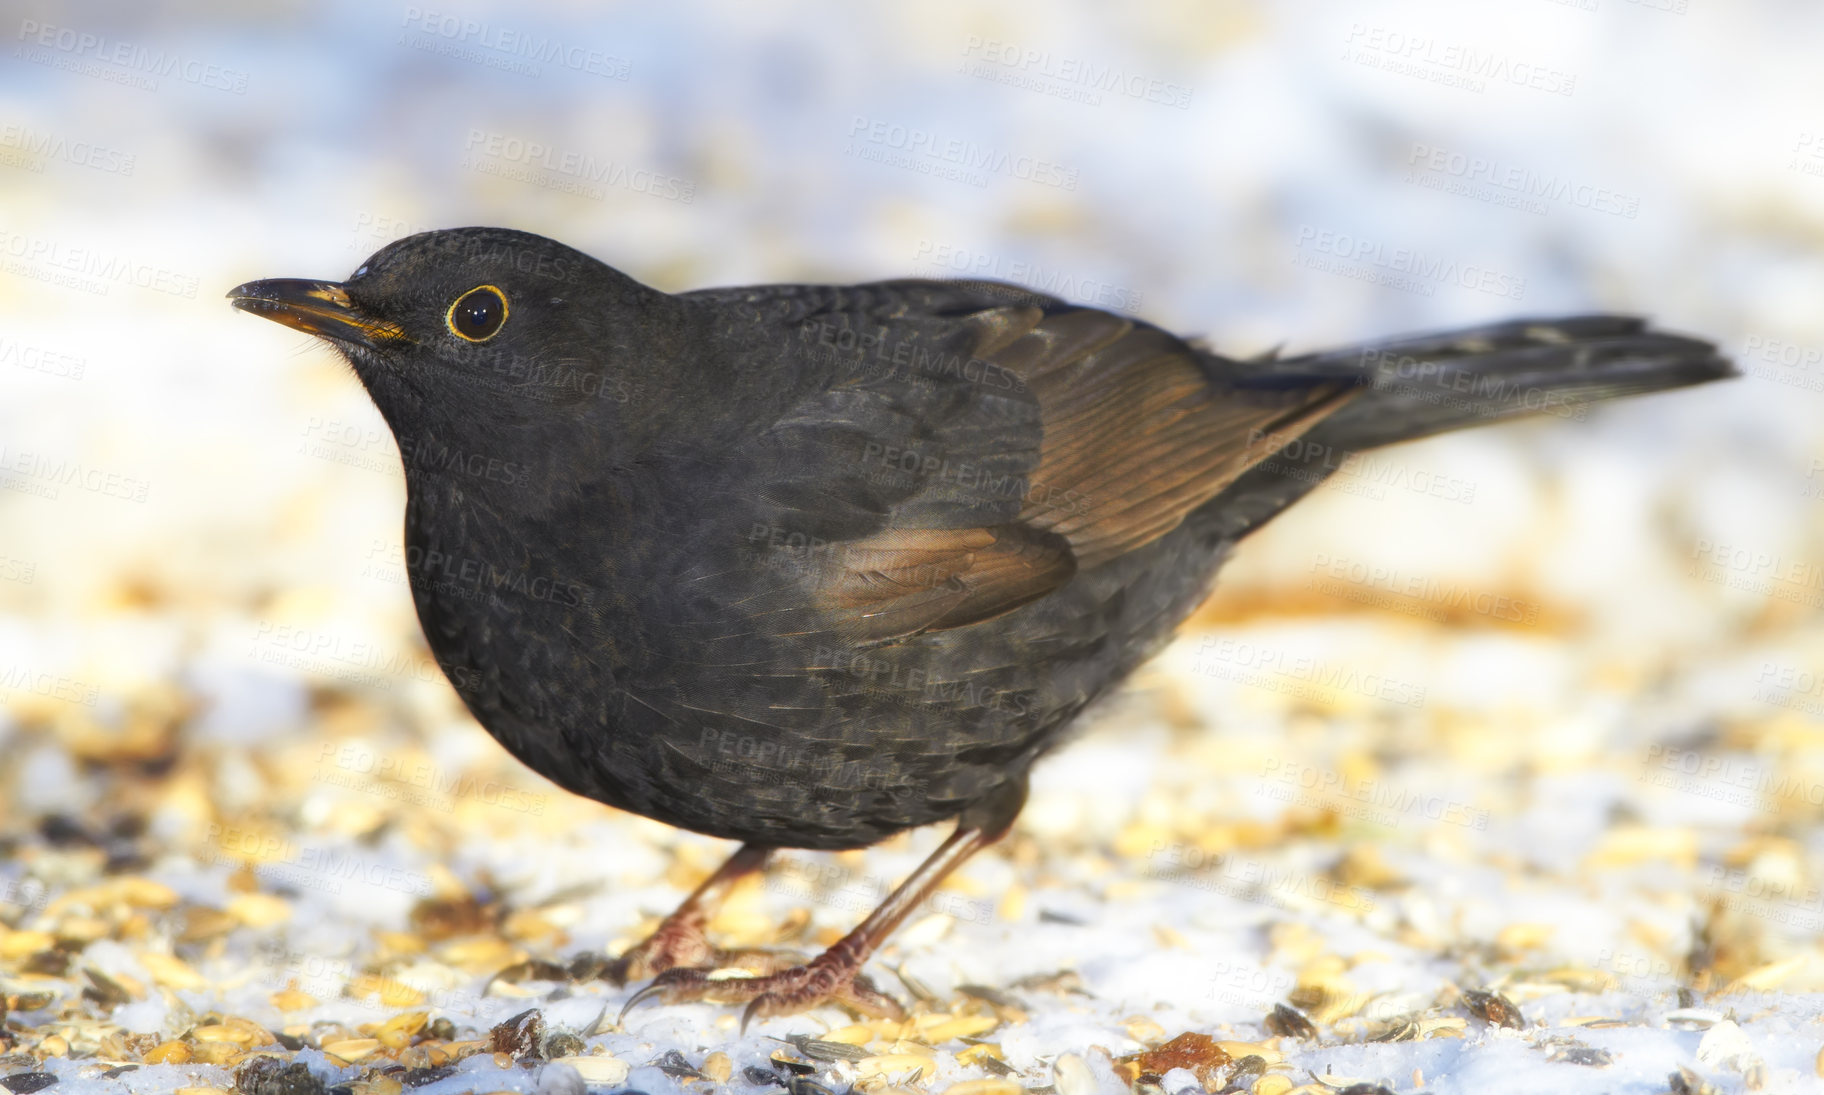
point(830, 978)
point(681, 939)
point(676, 946)
point(670, 946)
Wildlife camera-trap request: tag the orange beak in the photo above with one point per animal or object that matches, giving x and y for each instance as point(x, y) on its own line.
point(318, 308)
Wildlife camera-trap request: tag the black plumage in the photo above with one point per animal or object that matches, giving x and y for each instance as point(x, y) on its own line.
point(803, 566)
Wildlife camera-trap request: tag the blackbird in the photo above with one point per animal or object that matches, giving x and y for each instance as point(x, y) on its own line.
point(803, 566)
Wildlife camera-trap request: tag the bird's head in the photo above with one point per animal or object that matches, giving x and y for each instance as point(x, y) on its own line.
point(471, 323)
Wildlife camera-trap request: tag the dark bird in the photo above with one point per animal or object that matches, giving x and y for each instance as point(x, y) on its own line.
point(806, 565)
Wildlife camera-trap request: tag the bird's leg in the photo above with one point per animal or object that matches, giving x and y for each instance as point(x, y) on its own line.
point(835, 975)
point(680, 939)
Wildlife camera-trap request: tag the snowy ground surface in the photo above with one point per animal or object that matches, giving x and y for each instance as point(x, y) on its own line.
point(1536, 712)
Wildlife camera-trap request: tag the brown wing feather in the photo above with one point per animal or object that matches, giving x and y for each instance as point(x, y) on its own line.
point(903, 581)
point(1137, 434)
point(1138, 431)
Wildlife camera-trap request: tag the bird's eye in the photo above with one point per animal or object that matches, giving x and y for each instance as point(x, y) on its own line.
point(478, 313)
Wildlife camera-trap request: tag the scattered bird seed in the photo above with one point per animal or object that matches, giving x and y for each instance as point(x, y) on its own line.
point(1589, 1056)
point(271, 1076)
point(674, 1065)
point(519, 1036)
point(818, 1050)
point(1288, 1022)
point(991, 995)
point(1687, 1082)
point(418, 1077)
point(1492, 1007)
point(792, 1066)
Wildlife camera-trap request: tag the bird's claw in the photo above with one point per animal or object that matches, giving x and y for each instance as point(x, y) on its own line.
point(781, 992)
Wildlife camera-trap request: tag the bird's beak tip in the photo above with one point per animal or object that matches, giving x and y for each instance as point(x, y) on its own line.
point(320, 308)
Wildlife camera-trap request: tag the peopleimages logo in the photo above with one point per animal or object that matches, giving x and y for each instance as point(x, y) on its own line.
point(127, 62)
point(32, 472)
point(928, 153)
point(1449, 63)
point(23, 146)
point(507, 49)
point(952, 260)
point(90, 269)
point(1413, 266)
point(1297, 675)
point(566, 170)
point(1064, 77)
point(1783, 362)
point(1511, 185)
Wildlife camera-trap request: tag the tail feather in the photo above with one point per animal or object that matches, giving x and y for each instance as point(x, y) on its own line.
point(1427, 384)
point(1423, 385)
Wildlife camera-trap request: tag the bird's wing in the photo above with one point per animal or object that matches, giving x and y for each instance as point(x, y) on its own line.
point(968, 459)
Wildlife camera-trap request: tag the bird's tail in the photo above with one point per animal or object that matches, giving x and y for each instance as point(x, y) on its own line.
point(1422, 385)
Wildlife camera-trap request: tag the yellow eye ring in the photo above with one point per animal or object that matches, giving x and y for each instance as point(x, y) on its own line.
point(478, 314)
